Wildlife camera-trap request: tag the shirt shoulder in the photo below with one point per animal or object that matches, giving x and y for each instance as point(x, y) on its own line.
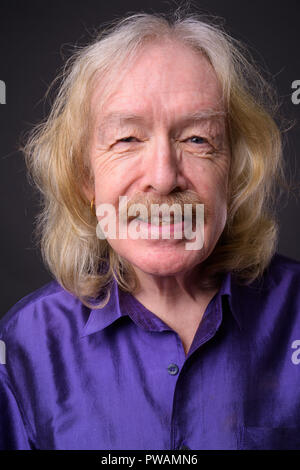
point(282, 262)
point(43, 325)
point(48, 305)
point(272, 299)
point(283, 274)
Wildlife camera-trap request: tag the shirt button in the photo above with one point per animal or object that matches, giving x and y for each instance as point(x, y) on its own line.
point(173, 369)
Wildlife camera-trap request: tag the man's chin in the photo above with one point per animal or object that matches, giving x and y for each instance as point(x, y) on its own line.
point(160, 257)
point(168, 264)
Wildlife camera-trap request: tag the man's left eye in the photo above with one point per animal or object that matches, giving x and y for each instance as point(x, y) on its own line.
point(197, 139)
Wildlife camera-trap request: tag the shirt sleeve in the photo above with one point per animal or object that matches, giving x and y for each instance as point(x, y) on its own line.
point(13, 434)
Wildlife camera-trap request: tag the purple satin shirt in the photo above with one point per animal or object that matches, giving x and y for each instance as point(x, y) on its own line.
point(118, 378)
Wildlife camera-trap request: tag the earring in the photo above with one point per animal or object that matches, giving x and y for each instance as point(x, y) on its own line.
point(92, 204)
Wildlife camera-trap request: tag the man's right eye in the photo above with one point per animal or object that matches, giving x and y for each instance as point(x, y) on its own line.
point(126, 139)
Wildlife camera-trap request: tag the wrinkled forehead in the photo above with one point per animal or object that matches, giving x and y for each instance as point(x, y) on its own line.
point(159, 76)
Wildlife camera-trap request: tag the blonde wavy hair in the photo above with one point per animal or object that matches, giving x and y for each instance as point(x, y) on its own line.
point(56, 154)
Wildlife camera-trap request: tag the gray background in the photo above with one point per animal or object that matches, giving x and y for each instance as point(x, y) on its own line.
point(34, 42)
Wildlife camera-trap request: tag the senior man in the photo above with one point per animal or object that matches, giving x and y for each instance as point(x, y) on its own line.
point(142, 342)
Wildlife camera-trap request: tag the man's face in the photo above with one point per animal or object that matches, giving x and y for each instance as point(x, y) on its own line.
point(161, 152)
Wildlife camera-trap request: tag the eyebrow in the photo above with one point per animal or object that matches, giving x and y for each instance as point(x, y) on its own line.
point(131, 118)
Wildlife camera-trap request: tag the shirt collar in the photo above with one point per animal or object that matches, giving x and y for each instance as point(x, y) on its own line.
point(228, 290)
point(100, 318)
point(122, 304)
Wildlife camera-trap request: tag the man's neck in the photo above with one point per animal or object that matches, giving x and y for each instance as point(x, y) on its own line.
point(178, 304)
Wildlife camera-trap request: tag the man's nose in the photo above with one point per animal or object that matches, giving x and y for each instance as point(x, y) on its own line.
point(163, 168)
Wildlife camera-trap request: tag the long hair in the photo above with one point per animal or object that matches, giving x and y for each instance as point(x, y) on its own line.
point(56, 155)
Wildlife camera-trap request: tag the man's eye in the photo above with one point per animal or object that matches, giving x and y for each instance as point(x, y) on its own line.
point(197, 139)
point(126, 139)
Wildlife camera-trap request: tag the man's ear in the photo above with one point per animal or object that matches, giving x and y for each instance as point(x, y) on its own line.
point(89, 191)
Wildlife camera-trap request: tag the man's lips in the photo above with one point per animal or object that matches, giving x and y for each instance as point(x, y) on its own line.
point(171, 230)
point(162, 229)
point(154, 223)
point(170, 221)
